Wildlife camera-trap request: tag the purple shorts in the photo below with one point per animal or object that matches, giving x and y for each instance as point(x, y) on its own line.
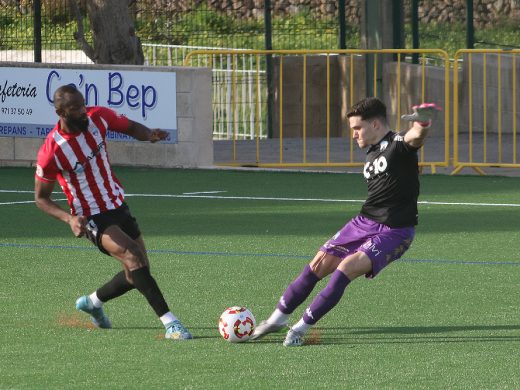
point(381, 243)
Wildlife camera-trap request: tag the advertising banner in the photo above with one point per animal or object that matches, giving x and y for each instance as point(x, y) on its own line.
point(26, 98)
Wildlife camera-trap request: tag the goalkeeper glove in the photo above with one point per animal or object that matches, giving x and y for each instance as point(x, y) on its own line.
point(422, 113)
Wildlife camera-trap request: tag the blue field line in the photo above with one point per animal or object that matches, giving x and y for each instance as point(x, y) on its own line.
point(203, 253)
point(244, 254)
point(461, 262)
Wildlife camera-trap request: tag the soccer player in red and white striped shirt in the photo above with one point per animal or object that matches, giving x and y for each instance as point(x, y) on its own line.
point(74, 154)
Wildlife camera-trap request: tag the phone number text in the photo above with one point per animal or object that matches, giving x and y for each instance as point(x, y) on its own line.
point(16, 111)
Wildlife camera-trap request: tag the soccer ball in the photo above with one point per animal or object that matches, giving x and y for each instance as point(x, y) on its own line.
point(236, 324)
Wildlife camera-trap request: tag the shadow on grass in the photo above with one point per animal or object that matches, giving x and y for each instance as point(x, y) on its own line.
point(404, 335)
point(419, 334)
point(418, 340)
point(79, 321)
point(422, 329)
point(350, 335)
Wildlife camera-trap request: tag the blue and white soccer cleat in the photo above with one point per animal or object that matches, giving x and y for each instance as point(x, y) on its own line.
point(293, 339)
point(98, 317)
point(176, 331)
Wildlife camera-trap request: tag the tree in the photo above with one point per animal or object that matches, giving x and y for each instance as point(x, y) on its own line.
point(113, 32)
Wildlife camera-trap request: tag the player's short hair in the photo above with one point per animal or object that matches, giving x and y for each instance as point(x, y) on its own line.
point(59, 94)
point(368, 108)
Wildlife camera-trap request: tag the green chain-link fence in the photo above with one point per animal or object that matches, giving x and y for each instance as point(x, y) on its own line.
point(173, 27)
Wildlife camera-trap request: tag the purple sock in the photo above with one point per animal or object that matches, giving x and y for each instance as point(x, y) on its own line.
point(298, 291)
point(327, 298)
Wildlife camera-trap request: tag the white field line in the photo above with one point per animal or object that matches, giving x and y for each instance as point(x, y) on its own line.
point(26, 201)
point(246, 198)
point(9, 203)
point(202, 192)
point(21, 192)
point(315, 199)
point(282, 199)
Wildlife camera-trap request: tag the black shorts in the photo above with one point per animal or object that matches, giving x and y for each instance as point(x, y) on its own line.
point(121, 217)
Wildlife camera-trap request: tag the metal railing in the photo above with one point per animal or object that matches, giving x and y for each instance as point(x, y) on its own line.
point(295, 143)
point(241, 81)
point(485, 128)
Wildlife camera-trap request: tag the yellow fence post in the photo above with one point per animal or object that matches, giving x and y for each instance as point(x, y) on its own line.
point(244, 122)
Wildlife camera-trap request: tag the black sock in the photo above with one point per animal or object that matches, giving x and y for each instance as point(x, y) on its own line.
point(146, 284)
point(114, 288)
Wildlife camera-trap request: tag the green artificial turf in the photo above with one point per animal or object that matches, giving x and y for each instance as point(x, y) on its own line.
point(445, 316)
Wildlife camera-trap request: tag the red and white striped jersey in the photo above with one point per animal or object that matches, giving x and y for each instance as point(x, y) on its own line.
point(80, 163)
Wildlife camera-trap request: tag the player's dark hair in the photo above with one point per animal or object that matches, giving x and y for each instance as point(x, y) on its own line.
point(59, 94)
point(368, 108)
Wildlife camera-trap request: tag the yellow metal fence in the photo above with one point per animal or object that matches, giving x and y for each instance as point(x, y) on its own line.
point(313, 89)
point(485, 113)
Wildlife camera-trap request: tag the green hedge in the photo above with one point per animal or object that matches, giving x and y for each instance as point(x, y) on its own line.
point(206, 27)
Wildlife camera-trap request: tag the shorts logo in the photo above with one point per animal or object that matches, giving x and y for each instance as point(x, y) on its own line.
point(370, 246)
point(92, 228)
point(309, 313)
point(39, 170)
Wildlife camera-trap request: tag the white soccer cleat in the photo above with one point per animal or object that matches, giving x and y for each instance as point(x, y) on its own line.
point(293, 339)
point(264, 328)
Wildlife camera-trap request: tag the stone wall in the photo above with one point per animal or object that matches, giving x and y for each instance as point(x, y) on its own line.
point(486, 12)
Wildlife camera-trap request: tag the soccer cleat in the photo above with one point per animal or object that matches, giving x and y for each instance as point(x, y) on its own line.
point(265, 328)
point(98, 317)
point(293, 339)
point(176, 331)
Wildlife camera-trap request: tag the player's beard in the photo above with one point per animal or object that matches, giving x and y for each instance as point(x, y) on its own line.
point(77, 125)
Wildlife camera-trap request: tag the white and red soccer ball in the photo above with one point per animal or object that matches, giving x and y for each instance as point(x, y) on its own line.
point(236, 324)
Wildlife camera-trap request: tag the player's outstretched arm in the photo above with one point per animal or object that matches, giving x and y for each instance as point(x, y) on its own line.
point(143, 133)
point(422, 119)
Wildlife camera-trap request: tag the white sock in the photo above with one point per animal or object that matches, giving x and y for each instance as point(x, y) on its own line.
point(278, 317)
point(95, 300)
point(167, 318)
point(301, 326)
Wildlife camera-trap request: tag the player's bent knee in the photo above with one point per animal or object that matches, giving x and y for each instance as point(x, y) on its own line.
point(355, 265)
point(324, 264)
point(131, 256)
point(128, 275)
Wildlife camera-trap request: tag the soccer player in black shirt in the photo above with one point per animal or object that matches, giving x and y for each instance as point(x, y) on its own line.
point(380, 234)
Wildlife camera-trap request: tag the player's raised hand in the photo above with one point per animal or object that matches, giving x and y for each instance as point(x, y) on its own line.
point(422, 113)
point(158, 135)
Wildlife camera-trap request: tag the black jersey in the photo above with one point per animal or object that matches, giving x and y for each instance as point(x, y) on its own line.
point(392, 174)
